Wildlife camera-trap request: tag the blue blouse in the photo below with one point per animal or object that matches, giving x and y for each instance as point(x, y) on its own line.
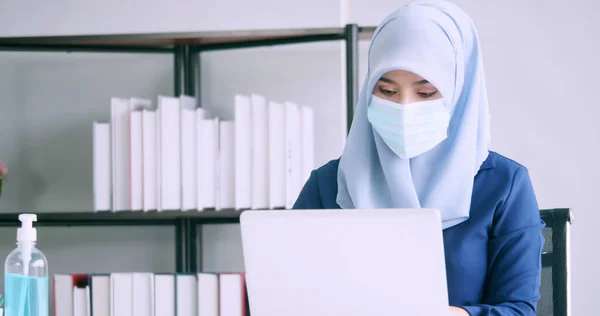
point(493, 260)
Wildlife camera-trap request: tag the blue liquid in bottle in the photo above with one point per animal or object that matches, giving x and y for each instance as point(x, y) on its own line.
point(26, 274)
point(25, 295)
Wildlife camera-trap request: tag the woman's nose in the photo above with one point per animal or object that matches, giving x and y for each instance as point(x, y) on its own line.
point(404, 98)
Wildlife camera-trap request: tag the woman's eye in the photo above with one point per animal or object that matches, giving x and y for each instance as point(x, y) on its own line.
point(386, 91)
point(427, 94)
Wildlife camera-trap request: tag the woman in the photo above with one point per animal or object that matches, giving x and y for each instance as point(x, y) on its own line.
point(420, 139)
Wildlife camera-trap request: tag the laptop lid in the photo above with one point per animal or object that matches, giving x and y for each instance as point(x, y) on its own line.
point(344, 262)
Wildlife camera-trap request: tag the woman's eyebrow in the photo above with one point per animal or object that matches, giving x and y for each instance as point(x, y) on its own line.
point(417, 83)
point(420, 83)
point(387, 80)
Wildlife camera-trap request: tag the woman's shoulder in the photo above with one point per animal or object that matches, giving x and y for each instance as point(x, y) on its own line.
point(500, 176)
point(320, 190)
point(502, 168)
point(510, 182)
point(501, 163)
point(323, 185)
point(328, 169)
point(326, 177)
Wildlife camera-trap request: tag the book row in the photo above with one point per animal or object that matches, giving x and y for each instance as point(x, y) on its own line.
point(150, 294)
point(174, 155)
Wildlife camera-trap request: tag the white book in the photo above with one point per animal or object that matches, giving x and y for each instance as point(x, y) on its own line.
point(136, 181)
point(169, 126)
point(149, 160)
point(208, 294)
point(188, 153)
point(102, 167)
point(158, 171)
point(120, 109)
point(226, 182)
point(277, 156)
point(121, 299)
point(293, 153)
point(143, 294)
point(100, 295)
point(231, 295)
point(81, 301)
point(260, 153)
point(164, 292)
point(187, 295)
point(136, 198)
point(207, 150)
point(308, 143)
point(63, 294)
point(243, 152)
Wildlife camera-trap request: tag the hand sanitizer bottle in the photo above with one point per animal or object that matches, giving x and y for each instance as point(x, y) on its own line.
point(26, 274)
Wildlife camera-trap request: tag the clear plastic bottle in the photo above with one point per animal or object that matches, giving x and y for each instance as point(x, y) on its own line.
point(26, 274)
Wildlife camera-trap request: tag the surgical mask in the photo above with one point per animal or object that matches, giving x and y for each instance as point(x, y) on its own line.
point(409, 130)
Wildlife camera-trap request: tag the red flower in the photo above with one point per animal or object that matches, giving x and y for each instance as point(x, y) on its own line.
point(3, 170)
point(3, 174)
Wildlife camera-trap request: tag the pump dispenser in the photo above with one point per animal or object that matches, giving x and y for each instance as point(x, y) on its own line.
point(26, 274)
point(26, 237)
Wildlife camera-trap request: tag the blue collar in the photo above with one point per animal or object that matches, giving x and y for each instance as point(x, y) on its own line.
point(489, 163)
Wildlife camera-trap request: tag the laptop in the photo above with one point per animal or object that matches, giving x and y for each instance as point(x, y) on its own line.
point(344, 262)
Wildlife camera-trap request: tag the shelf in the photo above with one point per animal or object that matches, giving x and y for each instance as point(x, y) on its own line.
point(184, 46)
point(124, 218)
point(164, 42)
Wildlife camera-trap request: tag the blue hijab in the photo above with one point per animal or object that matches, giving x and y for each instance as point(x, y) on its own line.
point(438, 41)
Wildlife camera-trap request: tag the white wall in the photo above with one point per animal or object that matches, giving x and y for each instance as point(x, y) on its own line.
point(540, 65)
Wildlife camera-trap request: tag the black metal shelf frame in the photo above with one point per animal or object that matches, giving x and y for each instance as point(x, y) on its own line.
point(188, 230)
point(186, 52)
point(187, 76)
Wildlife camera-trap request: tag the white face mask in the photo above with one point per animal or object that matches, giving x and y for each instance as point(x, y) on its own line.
point(409, 130)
